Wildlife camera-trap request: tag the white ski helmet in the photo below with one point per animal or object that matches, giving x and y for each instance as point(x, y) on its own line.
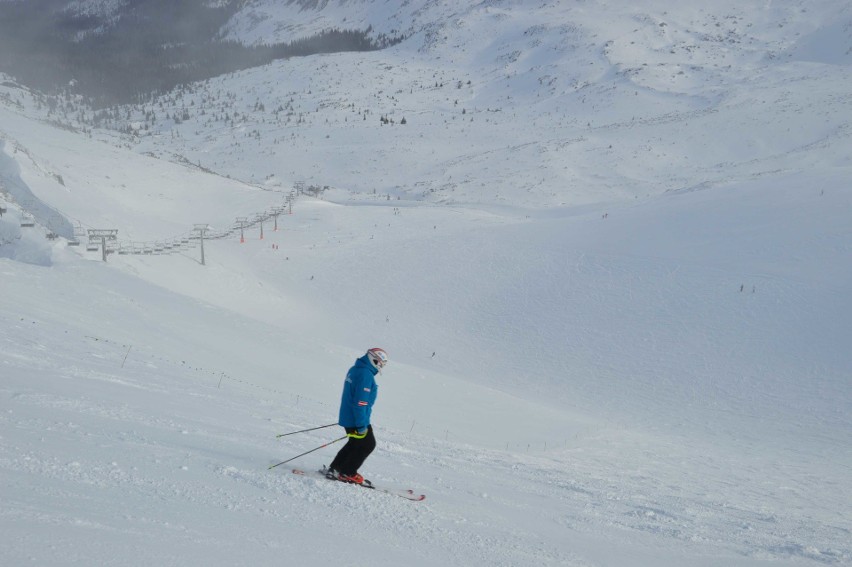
point(378, 358)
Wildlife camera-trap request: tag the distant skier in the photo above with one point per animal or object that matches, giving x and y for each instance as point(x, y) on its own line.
point(356, 405)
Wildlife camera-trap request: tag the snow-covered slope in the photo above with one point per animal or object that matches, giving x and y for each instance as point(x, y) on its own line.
point(631, 405)
point(617, 302)
point(60, 176)
point(528, 104)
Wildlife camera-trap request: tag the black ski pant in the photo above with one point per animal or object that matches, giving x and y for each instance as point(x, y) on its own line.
point(350, 458)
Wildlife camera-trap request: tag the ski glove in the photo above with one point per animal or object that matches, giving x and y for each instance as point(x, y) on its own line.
point(358, 433)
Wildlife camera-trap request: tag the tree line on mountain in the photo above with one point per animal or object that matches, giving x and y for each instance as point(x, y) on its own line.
point(149, 49)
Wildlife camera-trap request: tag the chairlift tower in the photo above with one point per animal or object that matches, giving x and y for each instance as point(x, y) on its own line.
point(103, 234)
point(260, 219)
point(201, 229)
point(275, 212)
point(242, 222)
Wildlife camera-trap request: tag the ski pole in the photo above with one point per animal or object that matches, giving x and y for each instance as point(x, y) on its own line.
point(305, 430)
point(311, 451)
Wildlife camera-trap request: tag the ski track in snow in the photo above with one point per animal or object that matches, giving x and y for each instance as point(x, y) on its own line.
point(117, 470)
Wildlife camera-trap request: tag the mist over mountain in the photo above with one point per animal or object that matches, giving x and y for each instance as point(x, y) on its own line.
point(116, 51)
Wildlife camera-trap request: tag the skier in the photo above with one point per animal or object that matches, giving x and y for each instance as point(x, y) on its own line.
point(356, 405)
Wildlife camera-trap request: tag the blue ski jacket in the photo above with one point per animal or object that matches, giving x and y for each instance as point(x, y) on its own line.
point(359, 395)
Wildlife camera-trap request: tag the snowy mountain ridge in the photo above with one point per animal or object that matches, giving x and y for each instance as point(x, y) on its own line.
point(571, 83)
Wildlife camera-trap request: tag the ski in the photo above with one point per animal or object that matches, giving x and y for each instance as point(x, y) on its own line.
point(401, 492)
